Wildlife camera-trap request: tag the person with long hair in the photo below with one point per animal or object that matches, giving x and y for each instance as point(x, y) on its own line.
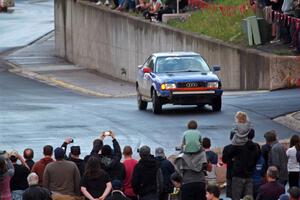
point(293, 164)
point(6, 172)
point(95, 183)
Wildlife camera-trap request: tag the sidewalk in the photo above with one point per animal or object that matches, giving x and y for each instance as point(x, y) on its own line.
point(38, 62)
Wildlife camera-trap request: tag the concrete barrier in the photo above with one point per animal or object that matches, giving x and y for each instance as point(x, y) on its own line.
point(113, 42)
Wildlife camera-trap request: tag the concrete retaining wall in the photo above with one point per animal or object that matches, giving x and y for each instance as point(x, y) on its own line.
point(111, 41)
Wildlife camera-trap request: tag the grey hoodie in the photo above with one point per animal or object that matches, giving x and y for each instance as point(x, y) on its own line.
point(240, 131)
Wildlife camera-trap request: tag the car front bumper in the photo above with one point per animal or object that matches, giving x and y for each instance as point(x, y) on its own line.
point(189, 97)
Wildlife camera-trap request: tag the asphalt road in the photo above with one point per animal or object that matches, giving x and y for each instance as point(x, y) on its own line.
point(34, 114)
point(24, 23)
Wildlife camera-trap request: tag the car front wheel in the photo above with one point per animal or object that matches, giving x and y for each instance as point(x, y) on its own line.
point(142, 105)
point(156, 104)
point(217, 104)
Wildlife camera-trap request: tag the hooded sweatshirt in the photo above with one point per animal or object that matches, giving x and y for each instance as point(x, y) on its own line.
point(39, 168)
point(240, 133)
point(191, 167)
point(147, 177)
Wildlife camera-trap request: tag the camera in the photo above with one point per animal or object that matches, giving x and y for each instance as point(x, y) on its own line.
point(107, 133)
point(178, 148)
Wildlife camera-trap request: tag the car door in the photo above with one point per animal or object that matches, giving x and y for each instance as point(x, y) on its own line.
point(143, 77)
point(149, 77)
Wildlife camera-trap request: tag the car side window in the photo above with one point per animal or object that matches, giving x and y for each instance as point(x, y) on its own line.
point(147, 62)
point(151, 64)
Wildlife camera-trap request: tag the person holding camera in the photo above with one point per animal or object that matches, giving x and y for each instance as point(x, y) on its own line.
point(74, 154)
point(108, 157)
point(18, 183)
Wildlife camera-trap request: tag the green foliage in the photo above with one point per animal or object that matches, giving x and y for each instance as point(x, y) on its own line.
point(213, 23)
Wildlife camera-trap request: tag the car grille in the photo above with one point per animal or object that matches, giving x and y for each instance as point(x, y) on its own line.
point(190, 84)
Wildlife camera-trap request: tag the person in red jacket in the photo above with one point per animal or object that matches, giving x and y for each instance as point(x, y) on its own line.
point(129, 164)
point(39, 167)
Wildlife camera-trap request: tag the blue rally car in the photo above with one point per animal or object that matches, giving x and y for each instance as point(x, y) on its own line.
point(179, 78)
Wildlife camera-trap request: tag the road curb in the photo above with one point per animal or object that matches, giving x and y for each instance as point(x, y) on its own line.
point(53, 81)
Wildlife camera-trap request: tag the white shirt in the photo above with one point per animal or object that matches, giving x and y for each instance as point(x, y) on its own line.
point(293, 165)
point(154, 4)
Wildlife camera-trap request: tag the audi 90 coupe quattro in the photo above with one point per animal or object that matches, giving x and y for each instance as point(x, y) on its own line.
point(178, 78)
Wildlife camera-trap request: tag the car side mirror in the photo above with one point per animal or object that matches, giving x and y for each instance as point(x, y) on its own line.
point(147, 70)
point(216, 68)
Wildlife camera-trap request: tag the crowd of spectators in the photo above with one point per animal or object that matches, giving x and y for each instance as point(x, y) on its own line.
point(152, 10)
point(284, 15)
point(253, 171)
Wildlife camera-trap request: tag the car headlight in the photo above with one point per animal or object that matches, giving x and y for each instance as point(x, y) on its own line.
point(212, 84)
point(168, 86)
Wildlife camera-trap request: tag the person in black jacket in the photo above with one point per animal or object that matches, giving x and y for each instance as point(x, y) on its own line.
point(229, 162)
point(167, 169)
point(18, 183)
point(109, 158)
point(147, 179)
point(28, 156)
point(74, 155)
point(244, 162)
point(35, 192)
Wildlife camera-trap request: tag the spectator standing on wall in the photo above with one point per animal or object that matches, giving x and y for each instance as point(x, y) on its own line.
point(147, 178)
point(272, 189)
point(277, 156)
point(167, 169)
point(39, 166)
point(276, 26)
point(35, 192)
point(152, 9)
point(18, 183)
point(293, 164)
point(129, 164)
point(28, 156)
point(95, 183)
point(6, 172)
point(289, 28)
point(62, 177)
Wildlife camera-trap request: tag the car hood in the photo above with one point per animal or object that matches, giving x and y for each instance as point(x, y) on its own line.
point(187, 77)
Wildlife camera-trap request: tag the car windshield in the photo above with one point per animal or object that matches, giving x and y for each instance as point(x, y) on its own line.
point(181, 64)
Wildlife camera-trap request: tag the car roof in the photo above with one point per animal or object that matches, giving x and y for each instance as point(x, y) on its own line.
point(165, 54)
